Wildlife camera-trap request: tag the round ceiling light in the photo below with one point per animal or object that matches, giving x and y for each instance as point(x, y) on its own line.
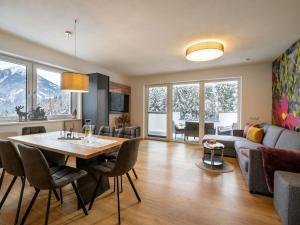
point(204, 51)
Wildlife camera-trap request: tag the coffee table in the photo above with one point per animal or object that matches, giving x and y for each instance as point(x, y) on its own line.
point(211, 159)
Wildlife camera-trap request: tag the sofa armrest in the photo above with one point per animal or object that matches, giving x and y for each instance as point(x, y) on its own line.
point(238, 133)
point(256, 180)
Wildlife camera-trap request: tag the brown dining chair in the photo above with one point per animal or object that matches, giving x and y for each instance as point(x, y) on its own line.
point(125, 161)
point(12, 164)
point(41, 177)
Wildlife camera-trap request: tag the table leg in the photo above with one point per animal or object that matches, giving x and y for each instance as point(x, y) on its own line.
point(212, 157)
point(87, 184)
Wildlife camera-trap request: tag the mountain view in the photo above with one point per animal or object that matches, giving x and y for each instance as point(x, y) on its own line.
point(13, 93)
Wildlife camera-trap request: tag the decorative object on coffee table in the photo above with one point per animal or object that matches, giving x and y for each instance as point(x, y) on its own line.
point(20, 113)
point(37, 114)
point(212, 160)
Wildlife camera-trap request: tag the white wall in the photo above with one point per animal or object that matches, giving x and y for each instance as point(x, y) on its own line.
point(256, 89)
point(21, 48)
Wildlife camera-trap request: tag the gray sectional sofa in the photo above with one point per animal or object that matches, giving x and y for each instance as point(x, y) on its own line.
point(251, 165)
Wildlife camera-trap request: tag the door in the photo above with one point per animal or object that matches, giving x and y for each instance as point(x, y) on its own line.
point(157, 111)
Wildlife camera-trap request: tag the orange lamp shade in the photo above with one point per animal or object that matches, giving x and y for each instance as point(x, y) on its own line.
point(74, 82)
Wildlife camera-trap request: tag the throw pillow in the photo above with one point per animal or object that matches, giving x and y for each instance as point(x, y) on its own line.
point(247, 126)
point(255, 134)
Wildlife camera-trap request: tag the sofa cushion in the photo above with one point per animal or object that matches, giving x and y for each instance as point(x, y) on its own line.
point(228, 141)
point(255, 134)
point(289, 139)
point(272, 135)
point(264, 126)
point(244, 143)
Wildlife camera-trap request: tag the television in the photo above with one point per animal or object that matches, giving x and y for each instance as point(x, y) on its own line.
point(118, 102)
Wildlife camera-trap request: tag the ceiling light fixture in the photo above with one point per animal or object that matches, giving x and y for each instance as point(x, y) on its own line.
point(74, 82)
point(205, 51)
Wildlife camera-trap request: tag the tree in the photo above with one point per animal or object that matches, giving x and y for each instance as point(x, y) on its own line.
point(157, 99)
point(186, 101)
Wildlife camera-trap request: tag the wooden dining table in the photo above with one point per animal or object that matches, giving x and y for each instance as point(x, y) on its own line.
point(87, 154)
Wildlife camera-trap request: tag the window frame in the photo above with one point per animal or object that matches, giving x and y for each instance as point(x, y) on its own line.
point(28, 66)
point(31, 84)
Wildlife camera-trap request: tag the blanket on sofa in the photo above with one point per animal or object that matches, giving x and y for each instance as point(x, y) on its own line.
point(279, 159)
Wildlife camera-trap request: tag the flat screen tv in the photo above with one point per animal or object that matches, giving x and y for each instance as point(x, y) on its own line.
point(119, 102)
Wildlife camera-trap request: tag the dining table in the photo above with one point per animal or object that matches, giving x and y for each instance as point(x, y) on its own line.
point(88, 151)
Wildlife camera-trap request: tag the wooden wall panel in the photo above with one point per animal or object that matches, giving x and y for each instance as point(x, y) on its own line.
point(119, 88)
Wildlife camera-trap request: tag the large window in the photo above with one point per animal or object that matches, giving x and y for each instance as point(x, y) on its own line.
point(187, 111)
point(49, 96)
point(24, 86)
point(13, 89)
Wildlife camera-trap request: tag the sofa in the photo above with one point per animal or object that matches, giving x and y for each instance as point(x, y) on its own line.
point(250, 158)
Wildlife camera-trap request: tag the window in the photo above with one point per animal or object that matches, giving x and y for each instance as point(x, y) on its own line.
point(13, 89)
point(24, 86)
point(186, 111)
point(221, 104)
point(49, 96)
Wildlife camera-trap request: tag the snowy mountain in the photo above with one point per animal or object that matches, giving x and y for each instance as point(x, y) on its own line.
point(13, 89)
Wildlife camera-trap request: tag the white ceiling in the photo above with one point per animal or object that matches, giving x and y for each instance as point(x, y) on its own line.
point(137, 37)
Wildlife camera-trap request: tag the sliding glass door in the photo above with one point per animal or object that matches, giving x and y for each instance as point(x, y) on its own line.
point(221, 107)
point(185, 112)
point(157, 111)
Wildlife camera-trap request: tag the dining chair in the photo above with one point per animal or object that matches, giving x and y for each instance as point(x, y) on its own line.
point(12, 164)
point(53, 158)
point(41, 177)
point(106, 131)
point(125, 161)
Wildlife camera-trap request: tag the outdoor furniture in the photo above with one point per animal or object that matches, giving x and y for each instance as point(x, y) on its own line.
point(227, 130)
point(12, 164)
point(209, 128)
point(125, 161)
point(41, 177)
point(191, 129)
point(287, 196)
point(178, 129)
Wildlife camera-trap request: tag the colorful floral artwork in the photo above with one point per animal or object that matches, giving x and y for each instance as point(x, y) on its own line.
point(286, 88)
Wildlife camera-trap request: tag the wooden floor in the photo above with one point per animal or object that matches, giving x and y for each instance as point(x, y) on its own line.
point(173, 191)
